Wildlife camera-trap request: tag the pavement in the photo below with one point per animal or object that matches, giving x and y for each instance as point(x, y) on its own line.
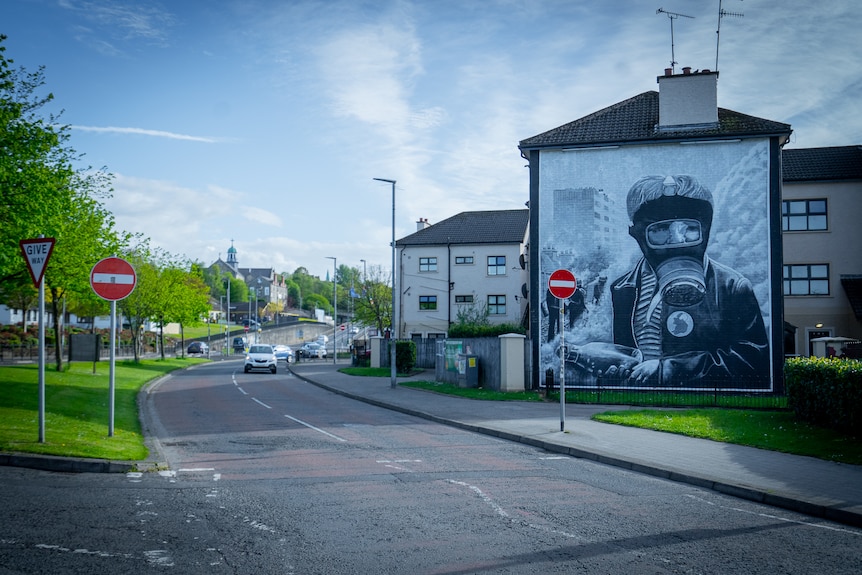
point(807, 485)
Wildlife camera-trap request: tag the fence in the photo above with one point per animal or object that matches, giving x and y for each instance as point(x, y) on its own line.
point(488, 352)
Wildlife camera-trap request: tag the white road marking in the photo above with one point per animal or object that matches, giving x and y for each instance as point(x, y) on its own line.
point(776, 517)
point(502, 512)
point(260, 402)
point(308, 425)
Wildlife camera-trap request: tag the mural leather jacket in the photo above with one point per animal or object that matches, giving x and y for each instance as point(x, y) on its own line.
point(720, 341)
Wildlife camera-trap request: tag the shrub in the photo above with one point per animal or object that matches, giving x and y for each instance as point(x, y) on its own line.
point(405, 356)
point(826, 391)
point(470, 330)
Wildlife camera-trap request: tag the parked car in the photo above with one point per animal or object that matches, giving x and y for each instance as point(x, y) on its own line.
point(250, 324)
point(239, 344)
point(198, 347)
point(260, 356)
point(283, 353)
point(312, 350)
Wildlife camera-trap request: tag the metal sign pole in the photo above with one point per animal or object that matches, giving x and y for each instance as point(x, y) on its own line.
point(111, 369)
point(562, 364)
point(42, 361)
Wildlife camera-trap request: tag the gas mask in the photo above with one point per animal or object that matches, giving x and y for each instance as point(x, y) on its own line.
point(673, 233)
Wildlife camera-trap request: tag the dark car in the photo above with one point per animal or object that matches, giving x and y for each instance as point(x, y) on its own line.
point(238, 344)
point(198, 347)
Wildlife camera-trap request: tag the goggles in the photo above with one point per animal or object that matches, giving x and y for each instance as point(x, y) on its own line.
point(674, 234)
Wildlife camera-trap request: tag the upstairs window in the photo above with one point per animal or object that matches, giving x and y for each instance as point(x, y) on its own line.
point(427, 302)
point(427, 264)
point(803, 215)
point(465, 299)
point(496, 265)
point(463, 260)
point(806, 279)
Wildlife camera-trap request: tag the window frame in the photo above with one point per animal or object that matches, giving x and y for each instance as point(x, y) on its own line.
point(496, 266)
point(427, 303)
point(465, 300)
point(793, 283)
point(427, 264)
point(810, 213)
point(466, 260)
point(499, 301)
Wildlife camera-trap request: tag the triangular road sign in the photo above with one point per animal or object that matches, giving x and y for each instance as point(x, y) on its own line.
point(37, 252)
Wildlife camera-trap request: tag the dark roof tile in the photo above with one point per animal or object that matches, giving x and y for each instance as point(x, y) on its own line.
point(636, 120)
point(822, 164)
point(485, 227)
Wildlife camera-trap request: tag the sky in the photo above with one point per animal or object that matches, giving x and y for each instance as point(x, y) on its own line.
point(265, 122)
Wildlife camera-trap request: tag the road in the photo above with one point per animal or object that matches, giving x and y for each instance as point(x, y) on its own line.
point(268, 474)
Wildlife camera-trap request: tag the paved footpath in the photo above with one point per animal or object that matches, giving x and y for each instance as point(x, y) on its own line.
point(805, 484)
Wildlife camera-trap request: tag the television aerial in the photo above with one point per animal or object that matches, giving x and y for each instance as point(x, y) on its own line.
point(721, 14)
point(672, 16)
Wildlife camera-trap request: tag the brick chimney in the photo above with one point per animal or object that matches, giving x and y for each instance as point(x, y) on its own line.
point(422, 224)
point(687, 100)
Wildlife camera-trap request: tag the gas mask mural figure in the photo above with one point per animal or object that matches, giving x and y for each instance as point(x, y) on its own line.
point(694, 321)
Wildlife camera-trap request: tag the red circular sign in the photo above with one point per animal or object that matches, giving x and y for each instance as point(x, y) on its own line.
point(113, 278)
point(562, 284)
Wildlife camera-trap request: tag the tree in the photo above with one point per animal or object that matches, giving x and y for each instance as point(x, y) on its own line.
point(374, 305)
point(41, 193)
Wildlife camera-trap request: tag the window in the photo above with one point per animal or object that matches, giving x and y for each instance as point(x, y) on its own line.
point(800, 215)
point(496, 305)
point(496, 265)
point(427, 302)
point(809, 279)
point(427, 264)
point(463, 299)
point(463, 260)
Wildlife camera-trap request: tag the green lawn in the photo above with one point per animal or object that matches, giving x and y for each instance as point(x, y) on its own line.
point(773, 430)
point(76, 408)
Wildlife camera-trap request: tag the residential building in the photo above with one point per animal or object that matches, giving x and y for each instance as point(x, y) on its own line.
point(469, 263)
point(666, 208)
point(822, 237)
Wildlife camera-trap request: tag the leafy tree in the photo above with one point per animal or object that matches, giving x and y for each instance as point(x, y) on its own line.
point(42, 194)
point(374, 304)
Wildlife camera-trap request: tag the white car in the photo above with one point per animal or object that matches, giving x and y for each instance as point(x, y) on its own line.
point(260, 356)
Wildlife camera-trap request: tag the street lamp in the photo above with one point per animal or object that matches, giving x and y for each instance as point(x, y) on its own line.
point(392, 335)
point(334, 306)
point(256, 314)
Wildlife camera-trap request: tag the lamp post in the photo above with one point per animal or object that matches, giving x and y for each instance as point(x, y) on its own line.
point(334, 306)
point(256, 314)
point(392, 335)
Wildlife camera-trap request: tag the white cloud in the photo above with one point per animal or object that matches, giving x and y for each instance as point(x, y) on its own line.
point(146, 132)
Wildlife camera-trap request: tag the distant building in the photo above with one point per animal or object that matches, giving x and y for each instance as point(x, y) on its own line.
point(470, 262)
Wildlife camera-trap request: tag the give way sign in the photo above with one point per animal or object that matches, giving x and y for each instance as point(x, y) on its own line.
point(113, 278)
point(562, 284)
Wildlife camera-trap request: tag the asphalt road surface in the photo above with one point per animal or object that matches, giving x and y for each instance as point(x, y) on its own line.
point(268, 474)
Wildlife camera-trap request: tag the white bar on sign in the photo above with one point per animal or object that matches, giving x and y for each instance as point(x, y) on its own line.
point(113, 279)
point(562, 283)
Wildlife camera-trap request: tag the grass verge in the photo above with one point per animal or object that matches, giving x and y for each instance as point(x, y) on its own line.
point(773, 430)
point(77, 408)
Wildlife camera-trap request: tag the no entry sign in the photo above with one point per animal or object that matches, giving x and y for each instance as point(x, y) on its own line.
point(562, 284)
point(113, 278)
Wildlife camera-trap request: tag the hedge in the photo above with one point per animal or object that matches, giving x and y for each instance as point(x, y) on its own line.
point(826, 392)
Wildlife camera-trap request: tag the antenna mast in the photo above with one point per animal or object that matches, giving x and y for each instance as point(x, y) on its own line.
point(672, 16)
point(721, 14)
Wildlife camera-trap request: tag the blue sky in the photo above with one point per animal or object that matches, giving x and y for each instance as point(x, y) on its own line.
point(265, 121)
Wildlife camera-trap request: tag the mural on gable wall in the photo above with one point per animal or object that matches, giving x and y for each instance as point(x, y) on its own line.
point(671, 249)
